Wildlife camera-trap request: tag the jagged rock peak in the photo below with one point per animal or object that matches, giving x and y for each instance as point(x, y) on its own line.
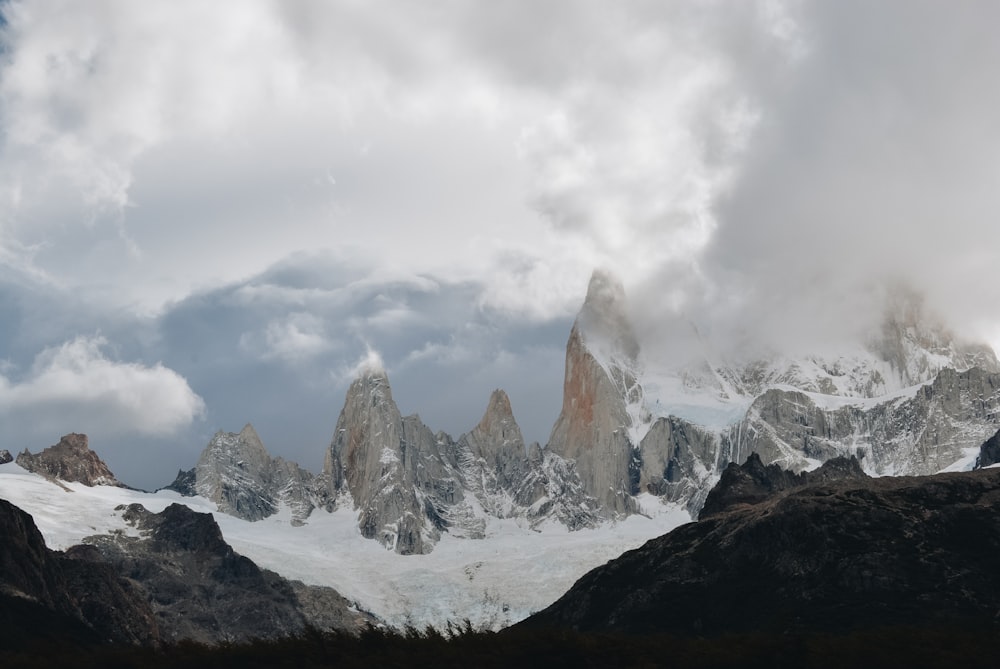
point(234, 472)
point(603, 321)
point(595, 426)
point(70, 460)
point(498, 422)
point(917, 343)
point(5, 456)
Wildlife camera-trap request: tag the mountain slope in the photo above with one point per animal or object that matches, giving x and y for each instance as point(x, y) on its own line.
point(841, 555)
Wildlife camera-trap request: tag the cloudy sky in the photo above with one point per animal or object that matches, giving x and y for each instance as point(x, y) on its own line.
point(210, 212)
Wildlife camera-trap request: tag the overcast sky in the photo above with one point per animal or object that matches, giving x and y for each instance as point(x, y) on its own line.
point(210, 212)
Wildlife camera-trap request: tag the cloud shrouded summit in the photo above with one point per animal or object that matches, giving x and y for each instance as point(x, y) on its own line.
point(252, 194)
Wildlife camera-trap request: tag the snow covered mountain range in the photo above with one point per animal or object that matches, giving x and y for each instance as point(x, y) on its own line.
point(496, 528)
point(909, 400)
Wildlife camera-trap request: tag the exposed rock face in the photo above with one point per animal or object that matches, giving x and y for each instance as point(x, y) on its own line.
point(70, 460)
point(5, 456)
point(854, 554)
point(600, 388)
point(918, 346)
point(911, 400)
point(71, 591)
point(412, 485)
point(989, 452)
point(917, 434)
point(677, 460)
point(200, 589)
point(497, 440)
point(753, 481)
point(513, 481)
point(236, 472)
point(233, 472)
point(404, 479)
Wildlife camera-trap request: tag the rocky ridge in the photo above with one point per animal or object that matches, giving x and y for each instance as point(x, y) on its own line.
point(911, 400)
point(754, 482)
point(175, 579)
point(69, 460)
point(200, 589)
point(410, 485)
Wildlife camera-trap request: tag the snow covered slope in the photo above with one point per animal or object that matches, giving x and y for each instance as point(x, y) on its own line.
point(494, 581)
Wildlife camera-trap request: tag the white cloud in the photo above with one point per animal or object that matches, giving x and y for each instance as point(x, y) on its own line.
point(79, 387)
point(293, 338)
point(182, 133)
point(369, 363)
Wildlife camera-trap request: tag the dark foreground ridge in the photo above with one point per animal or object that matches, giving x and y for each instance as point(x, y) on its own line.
point(177, 581)
point(854, 572)
point(832, 557)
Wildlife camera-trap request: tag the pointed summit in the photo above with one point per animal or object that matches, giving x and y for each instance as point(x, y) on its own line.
point(234, 472)
point(603, 320)
point(593, 427)
point(401, 477)
point(498, 425)
point(498, 441)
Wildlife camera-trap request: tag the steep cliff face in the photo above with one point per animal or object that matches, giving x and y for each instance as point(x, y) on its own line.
point(601, 399)
point(919, 432)
point(70, 460)
point(403, 479)
point(677, 461)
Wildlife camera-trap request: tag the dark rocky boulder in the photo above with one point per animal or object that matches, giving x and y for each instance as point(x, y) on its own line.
point(827, 557)
point(5, 456)
point(989, 452)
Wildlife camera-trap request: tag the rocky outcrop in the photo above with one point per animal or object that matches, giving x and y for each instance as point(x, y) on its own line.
point(753, 481)
point(199, 589)
point(70, 460)
point(5, 456)
point(236, 472)
point(600, 398)
point(827, 557)
point(989, 452)
point(71, 592)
